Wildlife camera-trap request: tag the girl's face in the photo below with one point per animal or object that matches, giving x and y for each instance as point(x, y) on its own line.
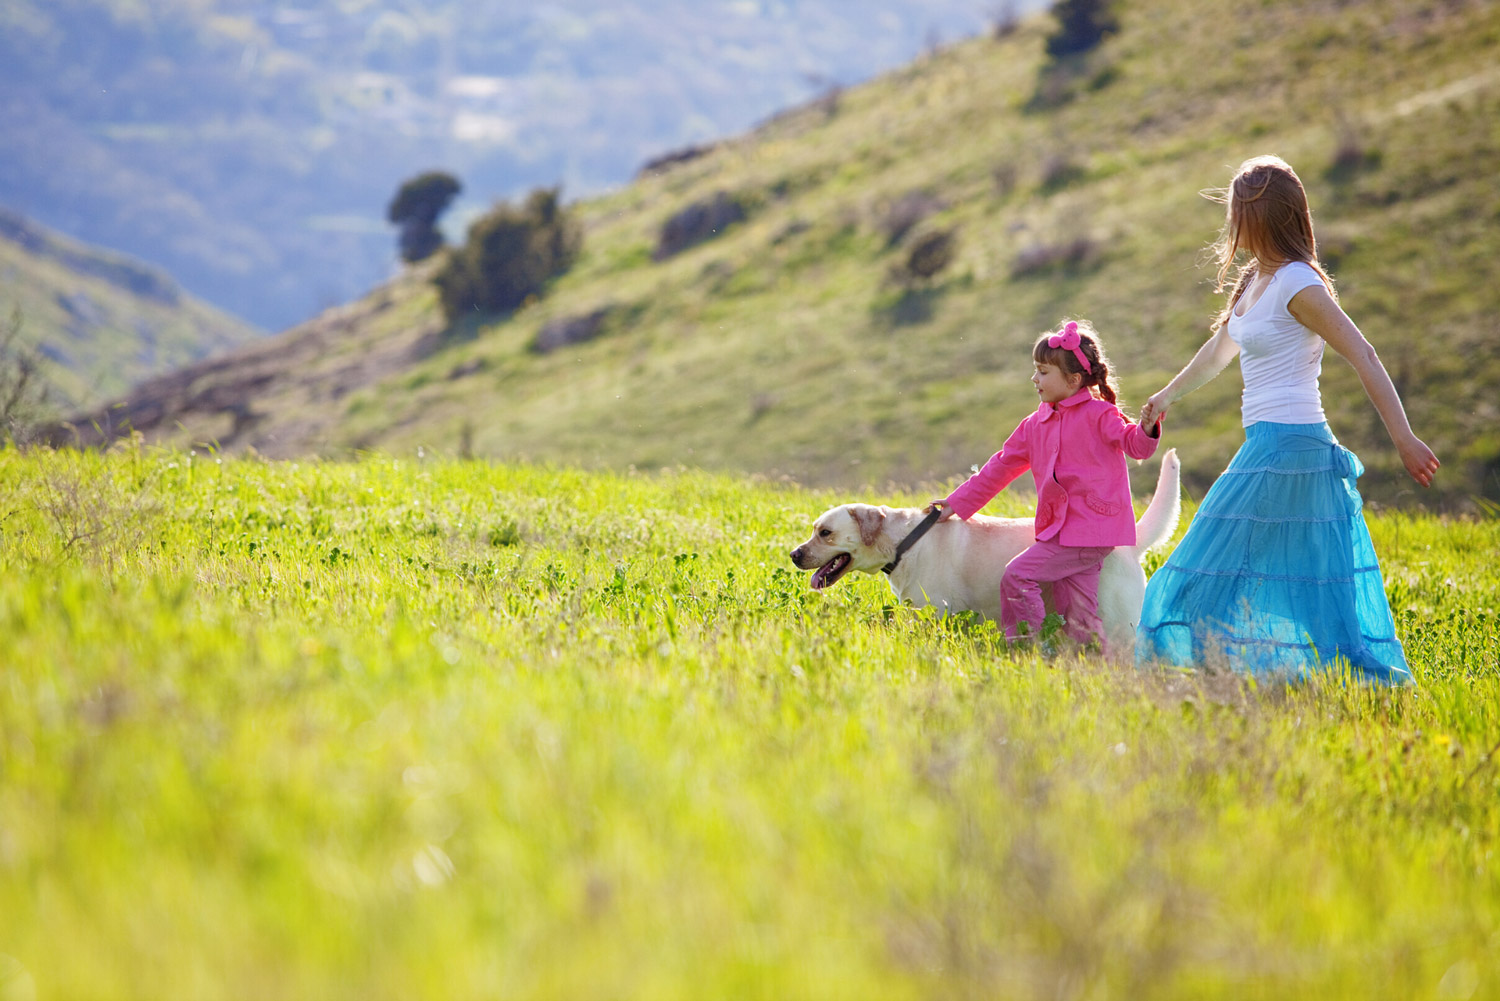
point(1053, 384)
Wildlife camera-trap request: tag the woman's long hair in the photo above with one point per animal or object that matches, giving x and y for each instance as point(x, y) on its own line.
point(1267, 216)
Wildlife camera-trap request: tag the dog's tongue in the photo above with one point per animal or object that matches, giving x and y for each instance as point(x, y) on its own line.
point(829, 569)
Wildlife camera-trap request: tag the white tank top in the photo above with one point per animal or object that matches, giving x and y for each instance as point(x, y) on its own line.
point(1280, 359)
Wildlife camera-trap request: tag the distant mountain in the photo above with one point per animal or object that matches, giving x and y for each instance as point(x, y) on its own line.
point(100, 321)
point(815, 331)
point(250, 148)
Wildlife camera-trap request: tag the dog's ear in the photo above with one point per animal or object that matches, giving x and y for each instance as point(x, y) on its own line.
point(869, 520)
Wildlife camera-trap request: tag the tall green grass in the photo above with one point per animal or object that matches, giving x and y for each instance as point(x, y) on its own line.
point(442, 729)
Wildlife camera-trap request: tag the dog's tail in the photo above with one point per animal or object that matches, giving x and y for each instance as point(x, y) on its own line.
point(1160, 518)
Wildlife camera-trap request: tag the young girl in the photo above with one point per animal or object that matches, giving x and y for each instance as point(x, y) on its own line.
point(1277, 571)
point(1075, 446)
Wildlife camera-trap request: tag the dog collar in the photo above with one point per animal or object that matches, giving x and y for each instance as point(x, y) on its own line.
point(911, 538)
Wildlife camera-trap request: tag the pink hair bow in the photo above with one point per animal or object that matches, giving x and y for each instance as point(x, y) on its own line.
point(1069, 340)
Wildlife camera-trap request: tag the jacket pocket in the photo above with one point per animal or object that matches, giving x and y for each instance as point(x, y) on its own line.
point(1102, 505)
point(1051, 507)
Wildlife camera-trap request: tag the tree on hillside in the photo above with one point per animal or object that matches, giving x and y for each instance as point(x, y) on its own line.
point(1081, 25)
point(416, 208)
point(511, 254)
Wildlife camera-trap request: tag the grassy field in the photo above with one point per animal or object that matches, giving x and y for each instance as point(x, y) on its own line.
point(429, 728)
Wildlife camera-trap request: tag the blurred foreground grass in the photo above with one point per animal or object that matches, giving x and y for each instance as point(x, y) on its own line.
point(388, 729)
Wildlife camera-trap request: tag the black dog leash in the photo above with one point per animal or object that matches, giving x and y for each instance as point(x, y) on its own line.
point(933, 518)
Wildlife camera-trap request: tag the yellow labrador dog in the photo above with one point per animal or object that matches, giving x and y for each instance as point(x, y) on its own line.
point(957, 565)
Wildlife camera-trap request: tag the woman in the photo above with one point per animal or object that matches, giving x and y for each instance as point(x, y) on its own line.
point(1277, 572)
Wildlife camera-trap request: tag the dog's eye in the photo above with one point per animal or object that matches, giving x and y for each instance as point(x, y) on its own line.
point(824, 533)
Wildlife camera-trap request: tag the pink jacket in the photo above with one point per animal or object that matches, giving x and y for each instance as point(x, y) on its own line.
point(1076, 451)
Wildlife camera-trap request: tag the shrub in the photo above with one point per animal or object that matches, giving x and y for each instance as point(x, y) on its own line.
point(1004, 176)
point(697, 223)
point(927, 256)
point(1069, 255)
point(511, 254)
point(674, 158)
point(1352, 155)
point(567, 330)
point(1059, 171)
point(1005, 19)
point(1081, 25)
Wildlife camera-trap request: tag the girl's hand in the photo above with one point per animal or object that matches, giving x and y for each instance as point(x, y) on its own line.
point(1155, 409)
point(1418, 460)
point(939, 503)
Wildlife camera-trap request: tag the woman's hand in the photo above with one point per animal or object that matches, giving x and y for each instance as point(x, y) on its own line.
point(942, 504)
point(1418, 460)
point(1315, 309)
point(1155, 409)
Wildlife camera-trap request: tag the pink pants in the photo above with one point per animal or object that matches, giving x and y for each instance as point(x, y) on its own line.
point(1074, 574)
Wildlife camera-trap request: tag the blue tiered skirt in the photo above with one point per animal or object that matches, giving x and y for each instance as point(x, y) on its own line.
point(1276, 573)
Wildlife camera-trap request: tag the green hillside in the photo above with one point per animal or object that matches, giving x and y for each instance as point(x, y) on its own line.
point(99, 322)
point(784, 347)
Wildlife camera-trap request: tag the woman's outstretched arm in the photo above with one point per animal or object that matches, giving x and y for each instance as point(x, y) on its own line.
point(1216, 352)
point(1315, 309)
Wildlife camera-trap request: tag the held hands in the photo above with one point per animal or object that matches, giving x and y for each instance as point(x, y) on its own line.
point(1154, 410)
point(1418, 460)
